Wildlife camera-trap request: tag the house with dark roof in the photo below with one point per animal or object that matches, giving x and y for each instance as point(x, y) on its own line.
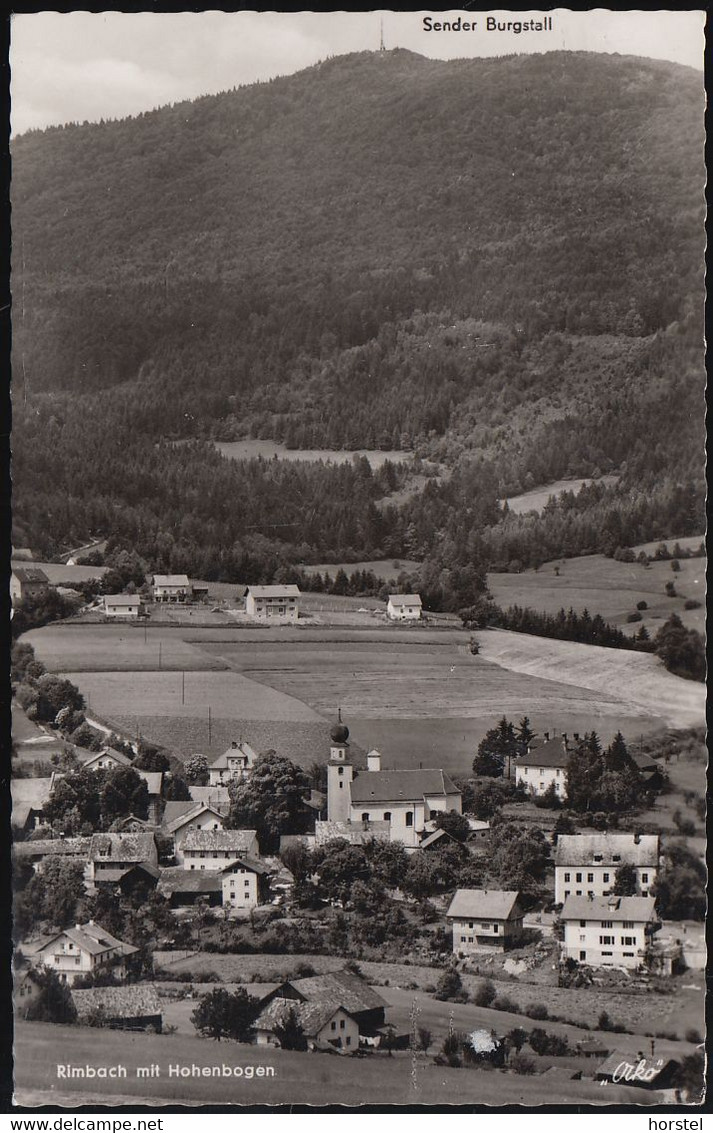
point(323, 1025)
point(586, 864)
point(232, 765)
point(608, 932)
point(277, 604)
point(245, 883)
point(543, 766)
point(485, 920)
point(183, 887)
point(336, 989)
point(214, 849)
point(27, 582)
point(104, 760)
point(112, 854)
point(180, 817)
point(29, 798)
point(85, 948)
point(133, 1007)
point(404, 607)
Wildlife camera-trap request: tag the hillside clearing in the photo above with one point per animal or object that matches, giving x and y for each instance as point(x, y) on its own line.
point(536, 498)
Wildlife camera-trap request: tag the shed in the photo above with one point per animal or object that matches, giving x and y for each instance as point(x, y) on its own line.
point(133, 1007)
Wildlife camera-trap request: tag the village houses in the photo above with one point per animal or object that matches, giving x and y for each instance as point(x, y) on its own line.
point(404, 607)
point(586, 864)
point(81, 950)
point(112, 855)
point(276, 603)
point(485, 920)
point(608, 932)
point(342, 998)
point(214, 849)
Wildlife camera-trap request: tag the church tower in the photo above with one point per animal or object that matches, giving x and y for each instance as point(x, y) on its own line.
point(339, 774)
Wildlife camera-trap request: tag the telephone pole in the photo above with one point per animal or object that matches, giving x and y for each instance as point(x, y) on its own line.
point(381, 41)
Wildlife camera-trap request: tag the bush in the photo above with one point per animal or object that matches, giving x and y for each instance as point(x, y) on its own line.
point(642, 605)
point(485, 994)
point(449, 986)
point(692, 604)
point(522, 1064)
point(537, 1011)
point(634, 617)
point(693, 1036)
point(505, 1003)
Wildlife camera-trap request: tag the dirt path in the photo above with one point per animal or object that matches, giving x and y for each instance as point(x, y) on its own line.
point(637, 680)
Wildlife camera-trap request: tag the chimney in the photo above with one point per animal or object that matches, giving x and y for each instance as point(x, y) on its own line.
point(373, 760)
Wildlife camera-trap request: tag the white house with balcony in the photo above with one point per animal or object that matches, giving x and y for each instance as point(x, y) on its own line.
point(278, 604)
point(586, 864)
point(171, 588)
point(404, 607)
point(608, 932)
point(485, 920)
point(81, 950)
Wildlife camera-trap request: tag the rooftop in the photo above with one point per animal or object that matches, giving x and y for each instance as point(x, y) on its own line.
point(129, 1001)
point(609, 908)
point(288, 590)
point(341, 989)
point(546, 753)
point(130, 847)
point(30, 574)
point(236, 750)
point(179, 880)
point(177, 814)
point(405, 599)
point(52, 847)
point(230, 841)
point(122, 600)
point(312, 1016)
point(90, 757)
point(398, 786)
point(607, 849)
point(496, 904)
point(91, 938)
point(170, 580)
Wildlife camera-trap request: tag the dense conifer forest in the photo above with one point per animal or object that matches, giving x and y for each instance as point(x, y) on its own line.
point(493, 263)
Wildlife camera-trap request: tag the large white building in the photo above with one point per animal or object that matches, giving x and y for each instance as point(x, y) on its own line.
point(171, 588)
point(404, 607)
point(544, 765)
point(608, 932)
point(400, 802)
point(83, 949)
point(586, 864)
point(276, 604)
point(215, 849)
point(122, 605)
point(234, 764)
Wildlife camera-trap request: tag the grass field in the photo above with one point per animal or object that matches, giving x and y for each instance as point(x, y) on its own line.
point(536, 499)
point(271, 450)
point(382, 568)
point(416, 693)
point(298, 1078)
point(609, 588)
point(61, 575)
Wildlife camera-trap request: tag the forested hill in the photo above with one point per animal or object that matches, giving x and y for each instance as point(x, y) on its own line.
point(498, 257)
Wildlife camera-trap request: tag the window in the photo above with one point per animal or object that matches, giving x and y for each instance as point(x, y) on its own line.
point(342, 1024)
point(616, 857)
point(567, 877)
point(341, 784)
point(606, 940)
point(590, 877)
point(387, 816)
point(542, 771)
point(365, 816)
point(340, 771)
point(470, 939)
point(582, 954)
point(485, 927)
point(77, 960)
point(582, 937)
point(334, 1024)
point(627, 953)
point(645, 878)
point(462, 940)
point(627, 924)
point(470, 924)
point(496, 928)
point(578, 877)
point(582, 924)
point(597, 857)
point(605, 877)
point(607, 924)
point(607, 953)
point(349, 1040)
point(409, 818)
point(567, 893)
point(579, 893)
point(628, 940)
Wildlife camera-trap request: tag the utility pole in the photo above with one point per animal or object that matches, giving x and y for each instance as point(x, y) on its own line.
point(209, 727)
point(381, 43)
point(183, 687)
point(159, 654)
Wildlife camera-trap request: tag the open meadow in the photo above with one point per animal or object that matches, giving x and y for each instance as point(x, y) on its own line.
point(252, 447)
point(60, 575)
point(298, 1078)
point(610, 588)
point(417, 694)
point(536, 498)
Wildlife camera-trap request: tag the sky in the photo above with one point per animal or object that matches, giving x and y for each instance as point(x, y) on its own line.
point(86, 66)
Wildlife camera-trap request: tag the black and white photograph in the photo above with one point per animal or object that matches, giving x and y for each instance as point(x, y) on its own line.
point(358, 559)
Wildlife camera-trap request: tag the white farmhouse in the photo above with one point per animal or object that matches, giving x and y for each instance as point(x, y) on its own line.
point(608, 932)
point(586, 864)
point(234, 764)
point(404, 607)
point(244, 883)
point(180, 817)
point(485, 920)
point(83, 949)
point(122, 605)
point(171, 588)
point(544, 765)
point(275, 604)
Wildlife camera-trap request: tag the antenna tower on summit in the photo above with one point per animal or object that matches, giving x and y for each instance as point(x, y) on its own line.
point(381, 41)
